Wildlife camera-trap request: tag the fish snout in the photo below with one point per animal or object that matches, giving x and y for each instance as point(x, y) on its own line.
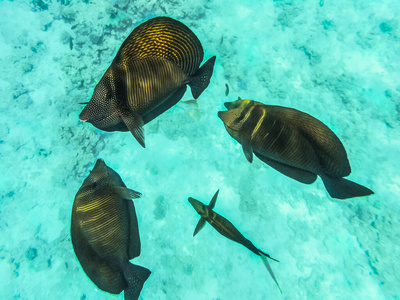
point(222, 115)
point(191, 201)
point(83, 116)
point(197, 205)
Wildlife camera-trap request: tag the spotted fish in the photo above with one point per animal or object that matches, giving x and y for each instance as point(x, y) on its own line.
point(292, 142)
point(226, 228)
point(105, 233)
point(148, 76)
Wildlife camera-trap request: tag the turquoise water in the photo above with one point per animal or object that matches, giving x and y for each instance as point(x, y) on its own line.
point(336, 60)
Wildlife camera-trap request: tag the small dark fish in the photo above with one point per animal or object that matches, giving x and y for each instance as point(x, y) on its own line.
point(226, 228)
point(105, 233)
point(292, 142)
point(148, 76)
point(226, 89)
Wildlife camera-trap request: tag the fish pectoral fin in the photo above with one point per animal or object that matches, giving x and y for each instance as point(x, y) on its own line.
point(248, 151)
point(201, 79)
point(134, 122)
point(300, 175)
point(213, 200)
point(199, 226)
point(126, 193)
point(266, 264)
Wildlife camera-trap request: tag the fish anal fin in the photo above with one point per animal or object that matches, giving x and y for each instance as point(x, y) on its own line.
point(266, 264)
point(199, 226)
point(300, 175)
point(167, 104)
point(248, 151)
point(134, 122)
point(201, 79)
point(213, 200)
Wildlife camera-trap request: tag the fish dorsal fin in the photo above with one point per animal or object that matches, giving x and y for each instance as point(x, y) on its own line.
point(248, 151)
point(134, 122)
point(213, 200)
point(163, 37)
point(199, 226)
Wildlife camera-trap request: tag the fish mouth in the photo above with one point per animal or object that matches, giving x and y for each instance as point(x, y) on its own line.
point(85, 116)
point(222, 114)
point(191, 200)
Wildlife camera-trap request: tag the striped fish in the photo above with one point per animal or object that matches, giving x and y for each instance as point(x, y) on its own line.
point(292, 142)
point(149, 75)
point(105, 233)
point(227, 229)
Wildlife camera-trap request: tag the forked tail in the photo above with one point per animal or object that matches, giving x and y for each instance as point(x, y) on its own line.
point(266, 264)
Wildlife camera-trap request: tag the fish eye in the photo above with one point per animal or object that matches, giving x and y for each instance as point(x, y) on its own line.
point(241, 117)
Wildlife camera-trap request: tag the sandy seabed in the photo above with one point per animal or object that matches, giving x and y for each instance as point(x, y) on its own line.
point(336, 60)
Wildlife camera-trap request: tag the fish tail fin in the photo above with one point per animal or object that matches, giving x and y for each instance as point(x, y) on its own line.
point(267, 255)
point(201, 79)
point(266, 264)
point(135, 277)
point(341, 188)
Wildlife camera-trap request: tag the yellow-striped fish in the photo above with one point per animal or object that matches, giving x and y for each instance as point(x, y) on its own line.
point(148, 76)
point(227, 229)
point(105, 233)
point(292, 142)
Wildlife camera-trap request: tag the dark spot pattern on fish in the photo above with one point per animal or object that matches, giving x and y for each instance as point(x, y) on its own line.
point(148, 76)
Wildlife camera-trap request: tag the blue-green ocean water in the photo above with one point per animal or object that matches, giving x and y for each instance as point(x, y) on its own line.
point(336, 60)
